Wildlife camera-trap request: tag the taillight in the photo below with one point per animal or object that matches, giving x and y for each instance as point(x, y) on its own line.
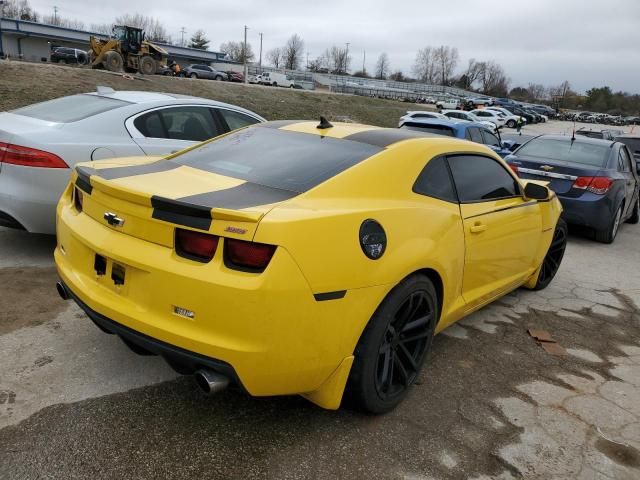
point(77, 199)
point(513, 167)
point(29, 157)
point(195, 245)
point(249, 256)
point(598, 185)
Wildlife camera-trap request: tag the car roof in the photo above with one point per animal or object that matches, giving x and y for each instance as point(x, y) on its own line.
point(446, 123)
point(135, 96)
point(628, 135)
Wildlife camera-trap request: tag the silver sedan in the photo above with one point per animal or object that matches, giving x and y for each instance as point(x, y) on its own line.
point(40, 143)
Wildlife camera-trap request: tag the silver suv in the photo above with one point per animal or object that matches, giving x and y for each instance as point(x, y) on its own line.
point(204, 71)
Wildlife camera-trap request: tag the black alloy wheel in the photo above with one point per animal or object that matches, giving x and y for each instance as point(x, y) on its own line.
point(553, 258)
point(393, 346)
point(403, 346)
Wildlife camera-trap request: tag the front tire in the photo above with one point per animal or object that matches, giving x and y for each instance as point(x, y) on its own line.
point(553, 258)
point(393, 346)
point(193, 75)
point(147, 65)
point(113, 61)
point(609, 235)
point(218, 78)
point(511, 124)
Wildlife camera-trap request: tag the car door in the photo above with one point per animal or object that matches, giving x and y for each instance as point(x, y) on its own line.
point(625, 167)
point(169, 129)
point(502, 229)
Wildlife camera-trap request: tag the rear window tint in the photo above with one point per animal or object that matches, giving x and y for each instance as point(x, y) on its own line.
point(278, 159)
point(579, 152)
point(70, 109)
point(437, 129)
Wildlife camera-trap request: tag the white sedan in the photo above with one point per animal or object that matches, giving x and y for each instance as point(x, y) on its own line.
point(468, 117)
point(41, 143)
point(412, 115)
point(510, 119)
point(489, 116)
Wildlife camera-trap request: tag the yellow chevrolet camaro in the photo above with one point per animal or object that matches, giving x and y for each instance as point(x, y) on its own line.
point(297, 258)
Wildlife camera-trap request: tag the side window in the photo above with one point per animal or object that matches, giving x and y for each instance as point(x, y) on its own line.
point(467, 134)
point(236, 120)
point(435, 181)
point(476, 136)
point(150, 125)
point(478, 179)
point(624, 161)
point(490, 138)
point(189, 123)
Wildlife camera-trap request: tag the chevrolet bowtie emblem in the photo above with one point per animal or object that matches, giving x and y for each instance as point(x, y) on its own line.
point(113, 219)
point(546, 168)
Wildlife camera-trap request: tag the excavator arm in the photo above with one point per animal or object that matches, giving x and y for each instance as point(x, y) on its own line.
point(99, 48)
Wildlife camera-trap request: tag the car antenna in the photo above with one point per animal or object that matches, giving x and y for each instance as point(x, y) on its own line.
point(324, 123)
point(573, 133)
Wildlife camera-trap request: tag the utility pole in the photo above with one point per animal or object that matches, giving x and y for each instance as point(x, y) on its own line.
point(182, 32)
point(307, 60)
point(246, 80)
point(260, 64)
point(364, 59)
point(2, 2)
point(346, 59)
point(55, 15)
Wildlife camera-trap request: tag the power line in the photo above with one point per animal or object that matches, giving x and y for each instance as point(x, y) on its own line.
point(246, 80)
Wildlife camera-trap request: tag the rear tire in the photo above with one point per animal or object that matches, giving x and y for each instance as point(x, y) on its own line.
point(113, 61)
point(609, 235)
point(554, 256)
point(393, 346)
point(147, 65)
point(635, 215)
point(193, 75)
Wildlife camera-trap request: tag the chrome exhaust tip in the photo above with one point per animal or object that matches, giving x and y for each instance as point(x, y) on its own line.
point(62, 291)
point(210, 382)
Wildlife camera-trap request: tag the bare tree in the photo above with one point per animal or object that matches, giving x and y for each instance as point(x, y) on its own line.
point(446, 59)
point(102, 28)
point(292, 52)
point(236, 52)
point(397, 76)
point(337, 59)
point(537, 91)
point(19, 10)
point(382, 66)
point(275, 57)
point(471, 75)
point(59, 21)
point(424, 67)
point(561, 92)
point(318, 64)
point(492, 79)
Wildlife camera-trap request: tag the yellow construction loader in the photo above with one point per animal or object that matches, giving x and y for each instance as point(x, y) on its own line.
point(127, 50)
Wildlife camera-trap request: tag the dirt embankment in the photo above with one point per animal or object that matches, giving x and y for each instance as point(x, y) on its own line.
point(25, 83)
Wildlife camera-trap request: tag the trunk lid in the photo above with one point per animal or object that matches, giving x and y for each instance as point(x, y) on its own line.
point(560, 175)
point(149, 197)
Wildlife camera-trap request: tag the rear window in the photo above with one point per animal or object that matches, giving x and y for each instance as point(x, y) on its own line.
point(70, 109)
point(278, 159)
point(566, 151)
point(632, 143)
point(437, 129)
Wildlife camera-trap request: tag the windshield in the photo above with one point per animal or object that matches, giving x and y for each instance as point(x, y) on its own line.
point(591, 154)
point(70, 109)
point(276, 158)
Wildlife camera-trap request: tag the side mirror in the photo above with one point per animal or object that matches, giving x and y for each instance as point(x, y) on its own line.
point(534, 191)
point(508, 144)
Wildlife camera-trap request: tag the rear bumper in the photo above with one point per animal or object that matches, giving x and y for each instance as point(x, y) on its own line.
point(590, 210)
point(183, 360)
point(269, 328)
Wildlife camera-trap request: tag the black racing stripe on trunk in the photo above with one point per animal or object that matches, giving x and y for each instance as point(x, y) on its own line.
point(181, 213)
point(122, 172)
point(243, 196)
point(279, 123)
point(383, 137)
point(83, 182)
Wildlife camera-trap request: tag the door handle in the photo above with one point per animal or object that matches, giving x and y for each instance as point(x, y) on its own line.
point(478, 227)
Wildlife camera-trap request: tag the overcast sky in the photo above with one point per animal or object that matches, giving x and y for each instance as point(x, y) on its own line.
point(590, 43)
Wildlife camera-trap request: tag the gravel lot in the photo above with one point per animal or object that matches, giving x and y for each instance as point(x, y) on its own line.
point(491, 403)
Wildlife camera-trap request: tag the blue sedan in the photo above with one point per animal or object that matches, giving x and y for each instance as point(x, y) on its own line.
point(596, 180)
point(474, 131)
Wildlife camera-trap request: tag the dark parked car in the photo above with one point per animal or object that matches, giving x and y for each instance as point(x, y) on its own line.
point(514, 140)
point(595, 180)
point(476, 132)
point(68, 55)
point(203, 71)
point(633, 144)
point(601, 134)
point(519, 111)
